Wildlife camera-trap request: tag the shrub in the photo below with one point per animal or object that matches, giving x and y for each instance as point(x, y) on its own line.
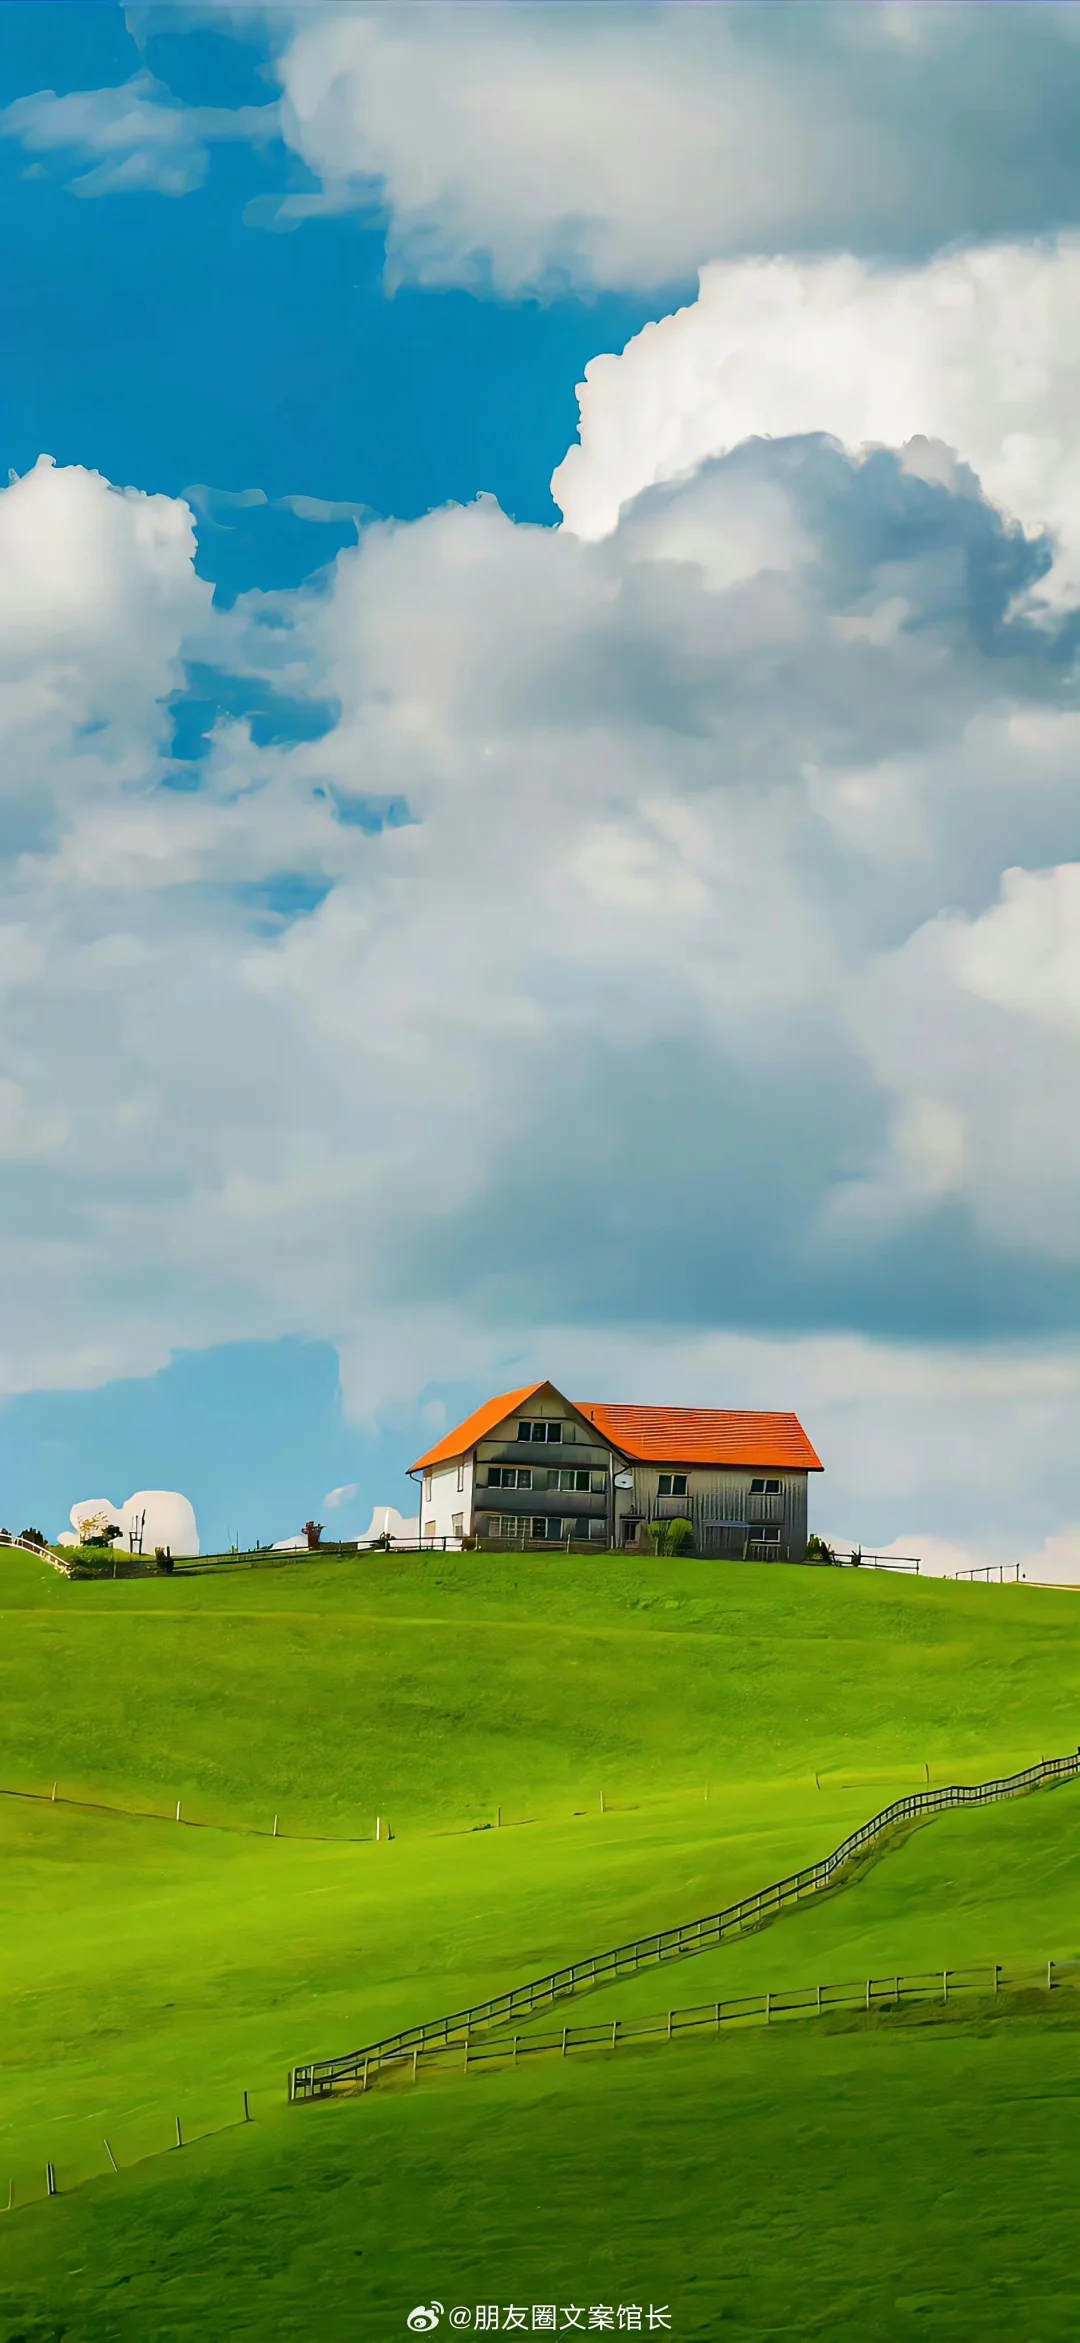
point(33, 1537)
point(98, 1530)
point(672, 1537)
point(163, 1558)
point(818, 1551)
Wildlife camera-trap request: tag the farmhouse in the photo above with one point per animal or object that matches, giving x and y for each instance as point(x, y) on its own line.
point(533, 1468)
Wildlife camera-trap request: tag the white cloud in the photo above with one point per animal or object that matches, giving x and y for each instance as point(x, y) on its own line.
point(132, 139)
point(625, 146)
point(696, 936)
point(335, 1498)
point(979, 349)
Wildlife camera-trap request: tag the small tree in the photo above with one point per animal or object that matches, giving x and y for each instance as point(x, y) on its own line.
point(313, 1533)
point(671, 1537)
point(32, 1537)
point(818, 1551)
point(97, 1530)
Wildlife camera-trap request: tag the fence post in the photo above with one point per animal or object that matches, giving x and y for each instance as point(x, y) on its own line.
point(819, 2001)
point(1049, 1976)
point(768, 2009)
point(565, 2032)
point(415, 2056)
point(179, 2134)
point(944, 1985)
point(868, 1993)
point(363, 2083)
point(515, 2049)
point(614, 2033)
point(111, 2157)
point(50, 2179)
point(247, 2109)
point(997, 1976)
point(670, 2016)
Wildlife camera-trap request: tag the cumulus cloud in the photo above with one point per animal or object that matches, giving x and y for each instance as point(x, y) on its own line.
point(335, 1498)
point(660, 972)
point(534, 146)
point(133, 139)
point(977, 351)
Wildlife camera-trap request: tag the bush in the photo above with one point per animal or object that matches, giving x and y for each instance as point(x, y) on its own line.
point(98, 1530)
point(672, 1537)
point(163, 1558)
point(33, 1537)
point(818, 1551)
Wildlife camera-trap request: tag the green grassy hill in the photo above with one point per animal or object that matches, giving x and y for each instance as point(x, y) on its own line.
point(148, 1969)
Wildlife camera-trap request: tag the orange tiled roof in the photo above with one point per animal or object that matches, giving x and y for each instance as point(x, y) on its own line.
point(705, 1435)
point(465, 1436)
point(655, 1435)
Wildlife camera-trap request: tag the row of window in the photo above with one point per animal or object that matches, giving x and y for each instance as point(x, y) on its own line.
point(674, 1485)
point(551, 1526)
point(509, 1476)
point(546, 1428)
point(527, 1476)
point(759, 1533)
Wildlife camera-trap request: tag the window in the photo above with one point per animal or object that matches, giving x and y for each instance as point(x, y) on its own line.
point(457, 1524)
point(547, 1430)
point(673, 1484)
point(597, 1529)
point(461, 1476)
point(427, 1488)
point(510, 1476)
point(505, 1525)
point(570, 1478)
point(765, 1533)
point(764, 1488)
point(429, 1529)
point(547, 1525)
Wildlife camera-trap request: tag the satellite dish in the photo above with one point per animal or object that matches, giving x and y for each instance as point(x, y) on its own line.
point(624, 1480)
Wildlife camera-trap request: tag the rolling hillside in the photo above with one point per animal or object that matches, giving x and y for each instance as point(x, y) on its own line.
point(150, 1969)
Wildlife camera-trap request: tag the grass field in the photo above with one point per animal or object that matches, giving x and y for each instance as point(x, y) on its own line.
point(148, 1969)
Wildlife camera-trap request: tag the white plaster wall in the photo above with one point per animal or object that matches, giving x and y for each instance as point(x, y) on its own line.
point(437, 1512)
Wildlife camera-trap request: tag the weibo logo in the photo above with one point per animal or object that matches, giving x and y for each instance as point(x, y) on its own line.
point(424, 2317)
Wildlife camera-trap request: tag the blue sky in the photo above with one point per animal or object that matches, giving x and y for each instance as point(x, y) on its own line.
point(443, 946)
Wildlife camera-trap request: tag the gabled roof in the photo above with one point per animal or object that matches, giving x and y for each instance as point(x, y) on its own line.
point(705, 1435)
point(654, 1435)
point(465, 1436)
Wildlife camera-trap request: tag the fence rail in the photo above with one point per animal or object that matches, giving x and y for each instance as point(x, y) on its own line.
point(320, 2077)
point(874, 1994)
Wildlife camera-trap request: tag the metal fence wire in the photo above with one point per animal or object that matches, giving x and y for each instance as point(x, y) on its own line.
point(320, 2077)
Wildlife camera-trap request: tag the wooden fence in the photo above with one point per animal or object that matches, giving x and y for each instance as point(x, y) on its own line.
point(876, 1995)
point(321, 2077)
